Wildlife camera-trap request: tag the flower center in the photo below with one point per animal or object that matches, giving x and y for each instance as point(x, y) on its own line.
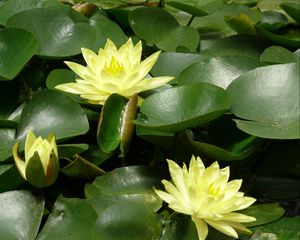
point(213, 190)
point(114, 67)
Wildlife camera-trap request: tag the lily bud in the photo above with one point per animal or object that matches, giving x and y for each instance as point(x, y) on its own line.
point(40, 166)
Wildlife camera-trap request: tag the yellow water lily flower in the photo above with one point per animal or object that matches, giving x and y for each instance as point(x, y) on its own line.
point(113, 71)
point(206, 195)
point(40, 166)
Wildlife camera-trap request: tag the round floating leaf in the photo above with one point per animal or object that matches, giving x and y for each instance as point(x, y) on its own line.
point(159, 27)
point(277, 54)
point(288, 37)
point(60, 76)
point(20, 215)
point(52, 112)
point(7, 139)
point(191, 9)
point(128, 183)
point(12, 7)
point(269, 98)
point(218, 71)
point(237, 45)
point(286, 228)
point(107, 29)
point(59, 37)
point(126, 220)
point(16, 49)
point(264, 213)
point(292, 9)
point(272, 20)
point(182, 107)
point(70, 219)
point(172, 63)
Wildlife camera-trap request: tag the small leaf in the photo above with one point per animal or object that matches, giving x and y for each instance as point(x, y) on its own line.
point(277, 54)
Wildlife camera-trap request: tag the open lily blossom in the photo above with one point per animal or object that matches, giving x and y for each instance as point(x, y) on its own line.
point(206, 195)
point(113, 71)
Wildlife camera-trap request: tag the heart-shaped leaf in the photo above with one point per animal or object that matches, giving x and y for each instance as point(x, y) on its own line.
point(70, 218)
point(16, 48)
point(59, 37)
point(20, 215)
point(277, 54)
point(218, 71)
point(181, 107)
point(268, 97)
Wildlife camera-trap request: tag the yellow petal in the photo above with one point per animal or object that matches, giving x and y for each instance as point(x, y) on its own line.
point(201, 227)
point(223, 227)
point(30, 139)
point(164, 196)
point(237, 217)
point(20, 164)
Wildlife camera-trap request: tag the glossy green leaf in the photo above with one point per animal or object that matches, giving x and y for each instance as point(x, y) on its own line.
point(126, 220)
point(236, 45)
point(159, 27)
point(241, 23)
point(69, 150)
point(60, 37)
point(272, 20)
point(51, 112)
point(264, 213)
point(226, 145)
point(173, 63)
point(287, 37)
point(181, 107)
point(12, 7)
point(191, 9)
point(268, 98)
point(16, 48)
point(249, 3)
point(277, 54)
point(80, 168)
point(10, 178)
point(292, 9)
point(214, 24)
point(115, 126)
point(286, 228)
point(7, 139)
point(70, 219)
point(20, 215)
point(219, 71)
point(107, 29)
point(60, 76)
point(134, 183)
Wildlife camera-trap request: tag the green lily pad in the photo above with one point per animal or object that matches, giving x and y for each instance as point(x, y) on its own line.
point(287, 37)
point(133, 183)
point(173, 63)
point(181, 107)
point(20, 215)
point(264, 213)
point(272, 20)
point(191, 9)
point(70, 219)
point(10, 178)
point(277, 54)
point(7, 139)
point(292, 9)
point(115, 126)
point(219, 71)
point(59, 37)
point(51, 112)
point(17, 47)
point(12, 7)
point(126, 220)
point(69, 150)
point(107, 29)
point(268, 99)
point(159, 27)
point(286, 228)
